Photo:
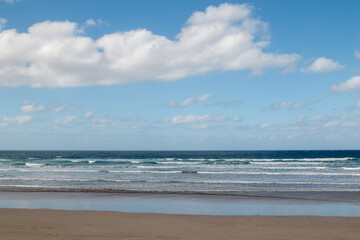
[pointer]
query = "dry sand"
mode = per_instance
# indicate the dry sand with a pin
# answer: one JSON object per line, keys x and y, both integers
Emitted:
{"x": 26, "y": 224}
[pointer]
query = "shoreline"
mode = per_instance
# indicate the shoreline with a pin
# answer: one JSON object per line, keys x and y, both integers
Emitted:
{"x": 63, "y": 224}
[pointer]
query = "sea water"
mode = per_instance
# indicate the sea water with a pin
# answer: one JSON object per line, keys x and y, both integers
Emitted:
{"x": 180, "y": 171}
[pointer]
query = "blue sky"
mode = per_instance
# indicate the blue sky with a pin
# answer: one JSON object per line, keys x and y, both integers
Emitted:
{"x": 179, "y": 75}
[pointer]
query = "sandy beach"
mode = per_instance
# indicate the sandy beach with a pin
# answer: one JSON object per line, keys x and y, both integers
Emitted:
{"x": 62, "y": 224}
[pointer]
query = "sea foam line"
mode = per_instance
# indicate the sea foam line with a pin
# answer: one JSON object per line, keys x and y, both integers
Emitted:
{"x": 34, "y": 164}
{"x": 284, "y": 173}
{"x": 287, "y": 163}
{"x": 351, "y": 168}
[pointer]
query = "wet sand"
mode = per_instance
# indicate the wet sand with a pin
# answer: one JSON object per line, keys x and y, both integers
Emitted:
{"x": 31, "y": 224}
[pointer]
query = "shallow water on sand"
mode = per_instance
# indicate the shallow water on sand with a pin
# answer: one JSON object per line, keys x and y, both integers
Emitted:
{"x": 265, "y": 204}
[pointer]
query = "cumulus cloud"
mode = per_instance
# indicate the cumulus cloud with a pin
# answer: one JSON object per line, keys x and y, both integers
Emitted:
{"x": 16, "y": 120}
{"x": 54, "y": 54}
{"x": 350, "y": 85}
{"x": 323, "y": 65}
{"x": 29, "y": 107}
{"x": 287, "y": 105}
{"x": 189, "y": 101}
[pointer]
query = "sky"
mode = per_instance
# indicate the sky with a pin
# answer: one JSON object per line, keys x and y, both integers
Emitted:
{"x": 179, "y": 75}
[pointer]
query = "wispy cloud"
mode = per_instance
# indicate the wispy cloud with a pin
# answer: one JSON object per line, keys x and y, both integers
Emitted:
{"x": 66, "y": 120}
{"x": 357, "y": 54}
{"x": 29, "y": 107}
{"x": 62, "y": 108}
{"x": 323, "y": 65}
{"x": 354, "y": 107}
{"x": 196, "y": 118}
{"x": 189, "y": 101}
{"x": 16, "y": 120}
{"x": 89, "y": 23}
{"x": 227, "y": 104}
{"x": 3, "y": 22}
{"x": 10, "y": 1}
{"x": 318, "y": 124}
{"x": 287, "y": 105}
{"x": 220, "y": 38}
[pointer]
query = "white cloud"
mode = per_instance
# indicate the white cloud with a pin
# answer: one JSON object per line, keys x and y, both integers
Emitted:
{"x": 357, "y": 54}
{"x": 280, "y": 105}
{"x": 88, "y": 114}
{"x": 298, "y": 105}
{"x": 197, "y": 118}
{"x": 66, "y": 120}
{"x": 63, "y": 108}
{"x": 17, "y": 120}
{"x": 29, "y": 107}
{"x": 101, "y": 120}
{"x": 350, "y": 85}
{"x": 189, "y": 101}
{"x": 323, "y": 65}
{"x": 10, "y": 1}
{"x": 237, "y": 118}
{"x": 53, "y": 54}
{"x": 90, "y": 22}
{"x": 331, "y": 124}
{"x": 3, "y": 22}
{"x": 354, "y": 107}
{"x": 287, "y": 105}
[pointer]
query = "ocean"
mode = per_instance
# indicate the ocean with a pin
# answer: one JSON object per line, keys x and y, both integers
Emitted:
{"x": 216, "y": 172}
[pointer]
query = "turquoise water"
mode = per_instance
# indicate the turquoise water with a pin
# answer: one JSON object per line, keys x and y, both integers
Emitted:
{"x": 180, "y": 171}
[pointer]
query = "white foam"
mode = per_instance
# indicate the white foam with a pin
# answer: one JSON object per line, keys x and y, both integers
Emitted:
{"x": 292, "y": 168}
{"x": 48, "y": 179}
{"x": 34, "y": 164}
{"x": 162, "y": 172}
{"x": 351, "y": 168}
{"x": 287, "y": 163}
{"x": 285, "y": 173}
{"x": 181, "y": 163}
{"x": 47, "y": 170}
{"x": 156, "y": 167}
{"x": 135, "y": 161}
